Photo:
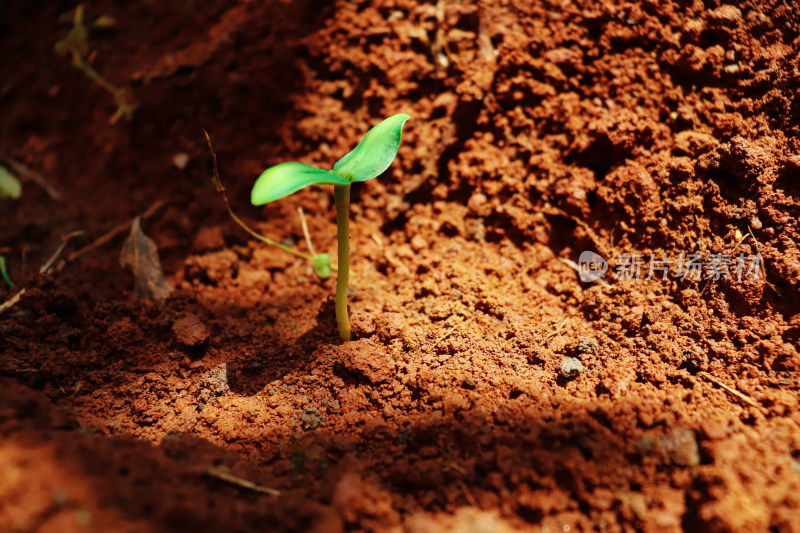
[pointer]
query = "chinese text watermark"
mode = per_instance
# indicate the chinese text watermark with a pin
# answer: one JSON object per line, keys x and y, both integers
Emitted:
{"x": 690, "y": 267}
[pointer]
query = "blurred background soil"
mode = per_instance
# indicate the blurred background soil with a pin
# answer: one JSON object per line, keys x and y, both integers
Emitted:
{"x": 488, "y": 389}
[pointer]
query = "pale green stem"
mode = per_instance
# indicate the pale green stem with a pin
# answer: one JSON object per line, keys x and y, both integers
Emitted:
{"x": 341, "y": 195}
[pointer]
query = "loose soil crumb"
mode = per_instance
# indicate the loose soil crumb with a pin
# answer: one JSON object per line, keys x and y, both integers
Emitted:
{"x": 655, "y": 131}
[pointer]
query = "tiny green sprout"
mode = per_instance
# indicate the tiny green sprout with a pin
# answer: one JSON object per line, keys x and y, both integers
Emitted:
{"x": 10, "y": 186}
{"x": 368, "y": 160}
{"x": 76, "y": 44}
{"x": 4, "y": 272}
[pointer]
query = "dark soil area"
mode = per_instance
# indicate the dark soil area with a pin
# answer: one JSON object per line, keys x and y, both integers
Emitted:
{"x": 488, "y": 387}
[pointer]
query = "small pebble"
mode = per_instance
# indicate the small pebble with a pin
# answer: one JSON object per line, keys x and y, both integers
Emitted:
{"x": 190, "y": 331}
{"x": 679, "y": 447}
{"x": 570, "y": 367}
{"x": 475, "y": 229}
{"x": 418, "y": 243}
{"x": 180, "y": 160}
{"x": 587, "y": 345}
{"x": 476, "y": 202}
{"x": 216, "y": 381}
{"x": 312, "y": 418}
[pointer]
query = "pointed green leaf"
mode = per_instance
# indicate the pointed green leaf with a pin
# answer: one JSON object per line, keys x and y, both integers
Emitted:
{"x": 10, "y": 283}
{"x": 375, "y": 152}
{"x": 284, "y": 179}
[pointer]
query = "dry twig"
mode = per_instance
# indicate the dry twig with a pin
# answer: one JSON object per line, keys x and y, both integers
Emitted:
{"x": 446, "y": 335}
{"x": 158, "y": 204}
{"x": 558, "y": 329}
{"x": 223, "y": 475}
{"x": 8, "y": 304}
{"x": 468, "y": 495}
{"x": 763, "y": 267}
{"x": 53, "y": 258}
{"x": 746, "y": 399}
{"x": 220, "y": 189}
{"x": 305, "y": 231}
{"x": 32, "y": 175}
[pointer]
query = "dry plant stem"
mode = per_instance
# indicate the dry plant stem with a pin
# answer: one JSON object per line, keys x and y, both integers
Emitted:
{"x": 763, "y": 267}
{"x": 730, "y": 390}
{"x": 305, "y": 231}
{"x": 8, "y": 304}
{"x": 257, "y": 235}
{"x": 447, "y": 335}
{"x": 223, "y": 475}
{"x": 341, "y": 195}
{"x": 53, "y": 258}
{"x": 158, "y": 204}
{"x": 558, "y": 329}
{"x": 95, "y": 76}
{"x": 253, "y": 233}
{"x": 604, "y": 250}
{"x": 34, "y": 176}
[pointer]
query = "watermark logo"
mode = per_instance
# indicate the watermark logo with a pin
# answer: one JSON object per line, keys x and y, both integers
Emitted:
{"x": 591, "y": 266}
{"x": 691, "y": 267}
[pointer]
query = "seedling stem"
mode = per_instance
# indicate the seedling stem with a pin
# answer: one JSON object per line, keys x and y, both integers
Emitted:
{"x": 341, "y": 196}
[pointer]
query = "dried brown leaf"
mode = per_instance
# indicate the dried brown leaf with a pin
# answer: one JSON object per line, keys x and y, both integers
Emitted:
{"x": 140, "y": 256}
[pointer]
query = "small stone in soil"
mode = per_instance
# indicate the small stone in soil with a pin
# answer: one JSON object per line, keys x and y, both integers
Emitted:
{"x": 587, "y": 345}
{"x": 389, "y": 326}
{"x": 475, "y": 229}
{"x": 189, "y": 331}
{"x": 645, "y": 445}
{"x": 418, "y": 243}
{"x": 680, "y": 447}
{"x": 367, "y": 359}
{"x": 311, "y": 418}
{"x": 216, "y": 380}
{"x": 570, "y": 367}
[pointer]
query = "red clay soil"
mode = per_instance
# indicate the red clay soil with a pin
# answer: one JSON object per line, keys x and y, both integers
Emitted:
{"x": 489, "y": 389}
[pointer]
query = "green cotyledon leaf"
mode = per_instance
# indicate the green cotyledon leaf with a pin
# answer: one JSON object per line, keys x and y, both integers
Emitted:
{"x": 284, "y": 179}
{"x": 374, "y": 153}
{"x": 322, "y": 266}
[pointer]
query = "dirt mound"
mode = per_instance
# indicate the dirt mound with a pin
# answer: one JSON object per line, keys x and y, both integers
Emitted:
{"x": 491, "y": 385}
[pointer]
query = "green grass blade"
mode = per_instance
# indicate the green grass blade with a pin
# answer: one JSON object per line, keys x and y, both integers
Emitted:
{"x": 284, "y": 179}
{"x": 4, "y": 272}
{"x": 375, "y": 152}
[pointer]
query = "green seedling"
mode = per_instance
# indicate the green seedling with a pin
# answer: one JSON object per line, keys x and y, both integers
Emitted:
{"x": 368, "y": 160}
{"x": 4, "y": 272}
{"x": 10, "y": 187}
{"x": 76, "y": 44}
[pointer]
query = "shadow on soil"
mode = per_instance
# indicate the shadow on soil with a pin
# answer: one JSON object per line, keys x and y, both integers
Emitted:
{"x": 529, "y": 462}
